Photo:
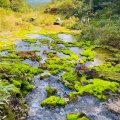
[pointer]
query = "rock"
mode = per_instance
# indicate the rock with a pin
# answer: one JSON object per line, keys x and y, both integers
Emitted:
{"x": 45, "y": 52}
{"x": 66, "y": 99}
{"x": 57, "y": 22}
{"x": 22, "y": 118}
{"x": 44, "y": 75}
{"x": 31, "y": 113}
{"x": 112, "y": 107}
{"x": 43, "y": 66}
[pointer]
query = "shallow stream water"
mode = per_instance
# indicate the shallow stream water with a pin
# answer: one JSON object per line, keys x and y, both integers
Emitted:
{"x": 89, "y": 105}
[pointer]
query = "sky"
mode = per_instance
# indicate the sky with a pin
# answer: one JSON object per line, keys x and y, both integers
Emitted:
{"x": 38, "y": 0}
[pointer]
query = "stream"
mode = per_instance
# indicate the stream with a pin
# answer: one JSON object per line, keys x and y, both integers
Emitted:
{"x": 89, "y": 105}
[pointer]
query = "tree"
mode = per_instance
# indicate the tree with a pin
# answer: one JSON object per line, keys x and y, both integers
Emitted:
{"x": 5, "y": 3}
{"x": 18, "y": 5}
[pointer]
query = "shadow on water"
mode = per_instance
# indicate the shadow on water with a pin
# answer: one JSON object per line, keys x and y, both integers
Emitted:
{"x": 90, "y": 105}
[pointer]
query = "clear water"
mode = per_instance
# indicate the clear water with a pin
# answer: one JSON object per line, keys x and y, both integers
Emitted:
{"x": 90, "y": 105}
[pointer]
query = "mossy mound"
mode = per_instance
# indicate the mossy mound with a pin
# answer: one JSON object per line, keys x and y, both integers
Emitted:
{"x": 77, "y": 116}
{"x": 56, "y": 65}
{"x": 89, "y": 54}
{"x": 53, "y": 101}
{"x": 96, "y": 87}
{"x": 50, "y": 91}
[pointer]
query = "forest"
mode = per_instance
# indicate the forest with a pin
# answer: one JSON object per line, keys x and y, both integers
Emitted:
{"x": 60, "y": 60}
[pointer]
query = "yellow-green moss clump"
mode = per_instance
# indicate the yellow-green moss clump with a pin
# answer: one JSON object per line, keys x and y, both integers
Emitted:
{"x": 50, "y": 91}
{"x": 89, "y": 54}
{"x": 97, "y": 87}
{"x": 56, "y": 65}
{"x": 77, "y": 116}
{"x": 53, "y": 101}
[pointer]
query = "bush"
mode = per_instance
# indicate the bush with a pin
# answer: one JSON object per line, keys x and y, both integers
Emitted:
{"x": 5, "y": 3}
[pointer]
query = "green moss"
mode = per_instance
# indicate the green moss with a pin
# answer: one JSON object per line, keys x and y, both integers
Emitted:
{"x": 30, "y": 40}
{"x": 89, "y": 54}
{"x": 53, "y": 101}
{"x": 83, "y": 60}
{"x": 56, "y": 65}
{"x": 77, "y": 116}
{"x": 36, "y": 50}
{"x": 98, "y": 88}
{"x": 73, "y": 116}
{"x": 43, "y": 41}
{"x": 72, "y": 55}
{"x": 70, "y": 76}
{"x": 50, "y": 91}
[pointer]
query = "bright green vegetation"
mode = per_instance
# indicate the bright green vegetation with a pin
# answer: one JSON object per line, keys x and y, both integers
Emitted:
{"x": 50, "y": 91}
{"x": 15, "y": 78}
{"x": 83, "y": 60}
{"x": 53, "y": 101}
{"x": 17, "y": 6}
{"x": 109, "y": 72}
{"x": 19, "y": 75}
{"x": 102, "y": 31}
{"x": 76, "y": 116}
{"x": 30, "y": 40}
{"x": 96, "y": 87}
{"x": 56, "y": 65}
{"x": 89, "y": 54}
{"x": 72, "y": 55}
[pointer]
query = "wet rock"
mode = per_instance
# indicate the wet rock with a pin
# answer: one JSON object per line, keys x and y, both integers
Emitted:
{"x": 43, "y": 66}
{"x": 44, "y": 75}
{"x": 91, "y": 73}
{"x": 66, "y": 99}
{"x": 31, "y": 113}
{"x": 113, "y": 107}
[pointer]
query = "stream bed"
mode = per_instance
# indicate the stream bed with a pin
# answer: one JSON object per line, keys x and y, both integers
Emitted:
{"x": 89, "y": 105}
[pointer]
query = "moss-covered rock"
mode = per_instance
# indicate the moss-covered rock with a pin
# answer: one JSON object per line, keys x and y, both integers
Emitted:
{"x": 53, "y": 101}
{"x": 89, "y": 54}
{"x": 50, "y": 91}
{"x": 77, "y": 116}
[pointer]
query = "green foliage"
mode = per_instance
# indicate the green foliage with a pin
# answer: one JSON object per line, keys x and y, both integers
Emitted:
{"x": 5, "y": 3}
{"x": 5, "y": 91}
{"x": 53, "y": 101}
{"x": 19, "y": 5}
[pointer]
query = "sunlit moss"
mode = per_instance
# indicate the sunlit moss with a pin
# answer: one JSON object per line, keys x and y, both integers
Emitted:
{"x": 77, "y": 116}
{"x": 89, "y": 54}
{"x": 53, "y": 101}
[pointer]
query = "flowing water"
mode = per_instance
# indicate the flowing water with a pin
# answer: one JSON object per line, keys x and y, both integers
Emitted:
{"x": 90, "y": 105}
